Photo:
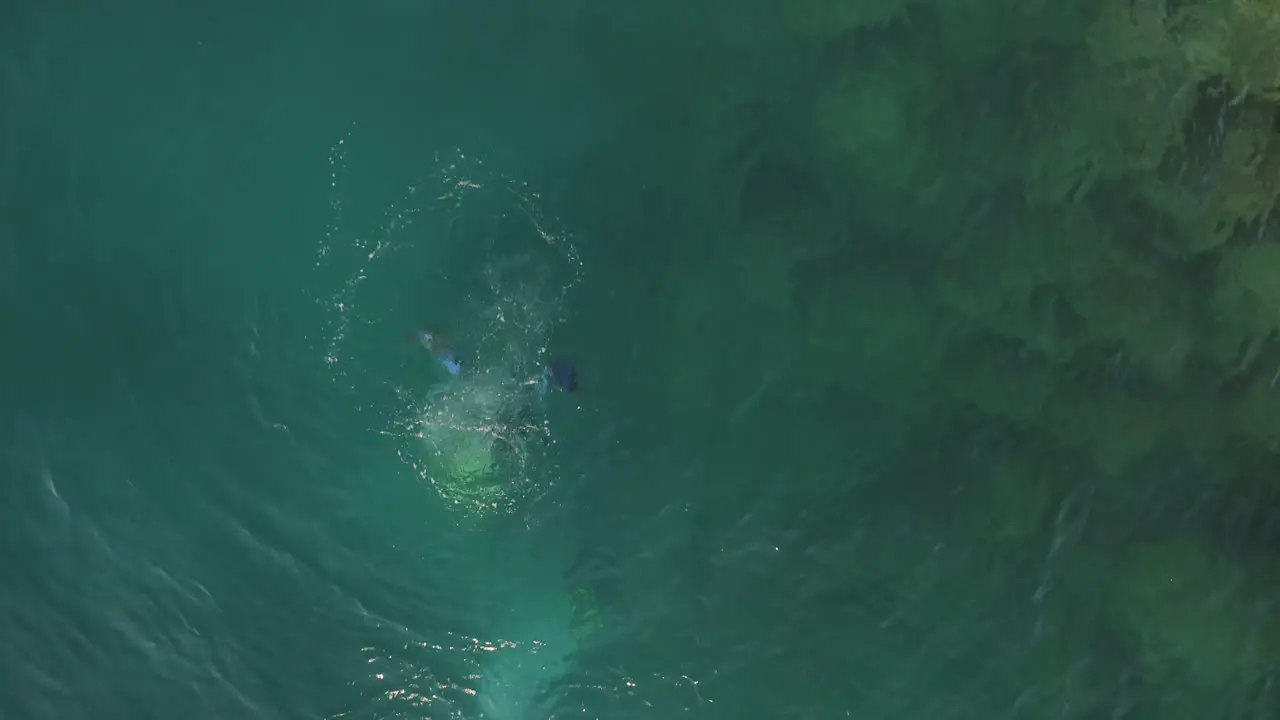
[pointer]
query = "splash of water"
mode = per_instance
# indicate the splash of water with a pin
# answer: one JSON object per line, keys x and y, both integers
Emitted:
{"x": 467, "y": 250}
{"x": 469, "y": 247}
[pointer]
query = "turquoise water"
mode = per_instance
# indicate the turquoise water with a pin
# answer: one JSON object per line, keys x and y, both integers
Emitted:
{"x": 234, "y": 487}
{"x": 223, "y": 495}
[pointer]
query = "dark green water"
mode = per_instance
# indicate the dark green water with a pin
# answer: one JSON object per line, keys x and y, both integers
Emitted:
{"x": 232, "y": 487}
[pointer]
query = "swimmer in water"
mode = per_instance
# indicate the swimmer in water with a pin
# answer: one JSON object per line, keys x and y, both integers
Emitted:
{"x": 559, "y": 374}
{"x": 437, "y": 345}
{"x": 513, "y": 409}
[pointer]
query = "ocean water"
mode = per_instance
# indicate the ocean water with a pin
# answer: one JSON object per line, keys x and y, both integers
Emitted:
{"x": 232, "y": 485}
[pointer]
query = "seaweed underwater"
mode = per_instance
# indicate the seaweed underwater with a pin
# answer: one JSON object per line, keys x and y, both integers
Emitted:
{"x": 1030, "y": 220}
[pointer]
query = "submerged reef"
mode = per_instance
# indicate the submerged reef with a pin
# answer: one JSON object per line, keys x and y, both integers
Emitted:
{"x": 1054, "y": 217}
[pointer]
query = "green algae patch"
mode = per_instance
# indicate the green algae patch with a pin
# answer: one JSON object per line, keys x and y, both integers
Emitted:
{"x": 1058, "y": 219}
{"x": 1012, "y": 501}
{"x": 867, "y": 120}
{"x": 1195, "y": 615}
